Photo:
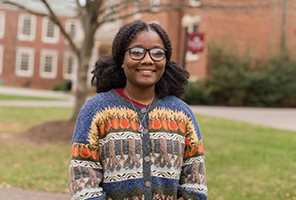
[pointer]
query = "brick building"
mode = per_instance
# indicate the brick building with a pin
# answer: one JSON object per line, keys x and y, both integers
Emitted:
{"x": 39, "y": 56}
{"x": 233, "y": 24}
{"x": 33, "y": 52}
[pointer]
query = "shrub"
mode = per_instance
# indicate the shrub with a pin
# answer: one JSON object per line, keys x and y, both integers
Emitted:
{"x": 196, "y": 94}
{"x": 240, "y": 81}
{"x": 63, "y": 86}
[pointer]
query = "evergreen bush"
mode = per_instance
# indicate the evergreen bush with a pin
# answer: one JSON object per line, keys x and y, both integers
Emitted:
{"x": 240, "y": 81}
{"x": 62, "y": 86}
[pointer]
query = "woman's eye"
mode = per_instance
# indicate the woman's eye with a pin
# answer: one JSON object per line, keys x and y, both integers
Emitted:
{"x": 137, "y": 51}
{"x": 158, "y": 52}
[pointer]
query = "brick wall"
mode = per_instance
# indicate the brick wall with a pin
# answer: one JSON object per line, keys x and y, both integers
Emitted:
{"x": 256, "y": 31}
{"x": 11, "y": 43}
{"x": 252, "y": 30}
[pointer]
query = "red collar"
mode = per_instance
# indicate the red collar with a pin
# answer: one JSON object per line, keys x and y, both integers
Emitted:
{"x": 119, "y": 90}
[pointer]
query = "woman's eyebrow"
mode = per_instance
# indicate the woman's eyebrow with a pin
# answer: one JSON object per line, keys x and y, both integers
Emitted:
{"x": 139, "y": 45}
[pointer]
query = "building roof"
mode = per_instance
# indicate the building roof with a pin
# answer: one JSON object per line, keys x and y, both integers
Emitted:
{"x": 61, "y": 7}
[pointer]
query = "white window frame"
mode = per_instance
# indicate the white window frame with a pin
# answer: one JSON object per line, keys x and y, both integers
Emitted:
{"x": 19, "y": 53}
{"x": 21, "y": 27}
{"x": 137, "y": 7}
{"x": 155, "y": 5}
{"x": 56, "y": 32}
{"x": 1, "y": 58}
{"x": 194, "y": 3}
{"x": 77, "y": 28}
{"x": 66, "y": 75}
{"x": 2, "y": 24}
{"x": 54, "y": 65}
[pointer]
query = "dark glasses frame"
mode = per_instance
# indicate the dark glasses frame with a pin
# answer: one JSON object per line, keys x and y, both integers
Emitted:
{"x": 128, "y": 49}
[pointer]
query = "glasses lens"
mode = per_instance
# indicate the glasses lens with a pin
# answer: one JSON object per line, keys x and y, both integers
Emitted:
{"x": 137, "y": 53}
{"x": 157, "y": 53}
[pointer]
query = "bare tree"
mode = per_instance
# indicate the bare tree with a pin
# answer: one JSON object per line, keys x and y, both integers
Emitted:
{"x": 93, "y": 15}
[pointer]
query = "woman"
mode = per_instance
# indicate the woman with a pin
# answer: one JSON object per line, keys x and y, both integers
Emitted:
{"x": 136, "y": 139}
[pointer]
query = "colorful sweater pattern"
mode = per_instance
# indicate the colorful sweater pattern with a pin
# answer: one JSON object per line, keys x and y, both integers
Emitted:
{"x": 111, "y": 160}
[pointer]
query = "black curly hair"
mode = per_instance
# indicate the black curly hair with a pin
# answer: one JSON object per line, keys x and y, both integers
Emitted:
{"x": 108, "y": 73}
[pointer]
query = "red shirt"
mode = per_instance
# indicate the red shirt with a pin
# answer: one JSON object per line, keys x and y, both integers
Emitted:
{"x": 119, "y": 90}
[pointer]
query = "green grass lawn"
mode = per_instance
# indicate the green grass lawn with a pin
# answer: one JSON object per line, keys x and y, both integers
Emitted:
{"x": 33, "y": 166}
{"x": 17, "y": 119}
{"x": 243, "y": 161}
{"x": 246, "y": 161}
{"x": 7, "y": 97}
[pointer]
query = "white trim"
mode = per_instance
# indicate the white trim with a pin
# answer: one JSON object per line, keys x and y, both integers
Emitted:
{"x": 2, "y": 24}
{"x": 155, "y": 5}
{"x": 21, "y": 27}
{"x": 1, "y": 58}
{"x": 20, "y": 53}
{"x": 191, "y": 57}
{"x": 52, "y": 55}
{"x": 137, "y": 7}
{"x": 56, "y": 32}
{"x": 74, "y": 65}
{"x": 194, "y": 3}
{"x": 77, "y": 28}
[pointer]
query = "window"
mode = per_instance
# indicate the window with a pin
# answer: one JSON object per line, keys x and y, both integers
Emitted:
{"x": 26, "y": 27}
{"x": 2, "y": 24}
{"x": 73, "y": 28}
{"x": 194, "y": 3}
{"x": 1, "y": 58}
{"x": 50, "y": 31}
{"x": 70, "y": 65}
{"x": 137, "y": 9}
{"x": 48, "y": 63}
{"x": 24, "y": 61}
{"x": 155, "y": 5}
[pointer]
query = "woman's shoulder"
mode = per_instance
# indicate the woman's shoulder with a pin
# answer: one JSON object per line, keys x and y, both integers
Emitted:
{"x": 174, "y": 100}
{"x": 99, "y": 98}
{"x": 174, "y": 103}
{"x": 100, "y": 101}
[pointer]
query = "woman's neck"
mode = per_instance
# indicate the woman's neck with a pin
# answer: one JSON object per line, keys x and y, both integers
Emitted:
{"x": 143, "y": 96}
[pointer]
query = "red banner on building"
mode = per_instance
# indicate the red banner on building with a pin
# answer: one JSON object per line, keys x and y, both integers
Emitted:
{"x": 196, "y": 42}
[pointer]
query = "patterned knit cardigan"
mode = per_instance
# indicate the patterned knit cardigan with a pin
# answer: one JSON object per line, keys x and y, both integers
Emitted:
{"x": 110, "y": 159}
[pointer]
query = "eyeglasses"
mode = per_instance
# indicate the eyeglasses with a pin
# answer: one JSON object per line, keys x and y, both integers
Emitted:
{"x": 138, "y": 53}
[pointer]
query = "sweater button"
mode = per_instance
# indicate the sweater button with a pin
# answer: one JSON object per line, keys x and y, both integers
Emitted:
{"x": 148, "y": 183}
{"x": 143, "y": 110}
{"x": 147, "y": 158}
{"x": 145, "y": 131}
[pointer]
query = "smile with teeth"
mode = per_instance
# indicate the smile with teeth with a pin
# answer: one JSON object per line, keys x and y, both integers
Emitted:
{"x": 146, "y": 71}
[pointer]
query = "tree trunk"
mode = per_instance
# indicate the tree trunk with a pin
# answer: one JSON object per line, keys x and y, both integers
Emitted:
{"x": 84, "y": 59}
{"x": 81, "y": 90}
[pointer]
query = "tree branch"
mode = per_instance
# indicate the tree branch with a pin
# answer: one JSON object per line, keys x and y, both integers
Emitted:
{"x": 51, "y": 15}
{"x": 172, "y": 6}
{"x": 54, "y": 18}
{"x": 24, "y": 8}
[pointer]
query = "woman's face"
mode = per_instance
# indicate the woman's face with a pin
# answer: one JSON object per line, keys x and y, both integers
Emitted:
{"x": 145, "y": 72}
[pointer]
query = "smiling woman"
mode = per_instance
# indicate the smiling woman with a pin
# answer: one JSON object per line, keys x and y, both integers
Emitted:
{"x": 137, "y": 139}
{"x": 141, "y": 70}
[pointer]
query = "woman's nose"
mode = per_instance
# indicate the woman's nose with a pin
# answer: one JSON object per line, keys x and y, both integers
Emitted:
{"x": 147, "y": 58}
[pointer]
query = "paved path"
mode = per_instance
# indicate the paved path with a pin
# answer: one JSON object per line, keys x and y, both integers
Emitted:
{"x": 273, "y": 117}
{"x": 282, "y": 118}
{"x": 67, "y": 99}
{"x": 33, "y": 92}
{"x": 21, "y": 194}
